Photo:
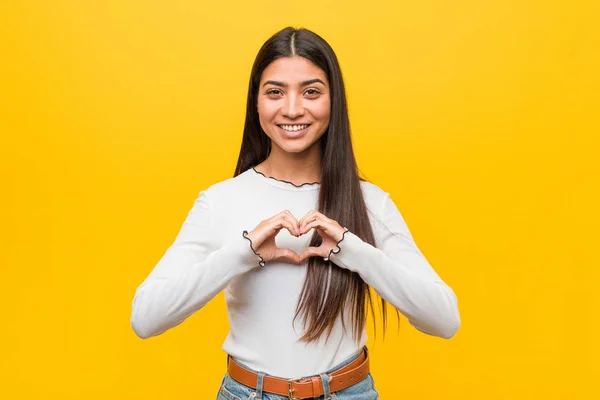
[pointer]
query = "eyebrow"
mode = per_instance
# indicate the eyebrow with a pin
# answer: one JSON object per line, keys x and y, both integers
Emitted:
{"x": 305, "y": 83}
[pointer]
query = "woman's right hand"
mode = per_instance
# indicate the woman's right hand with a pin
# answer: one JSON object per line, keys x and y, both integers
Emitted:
{"x": 263, "y": 237}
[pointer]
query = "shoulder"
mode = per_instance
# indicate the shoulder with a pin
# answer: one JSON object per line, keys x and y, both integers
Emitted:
{"x": 227, "y": 188}
{"x": 373, "y": 195}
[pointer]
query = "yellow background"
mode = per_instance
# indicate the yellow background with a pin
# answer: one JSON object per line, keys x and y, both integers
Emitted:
{"x": 480, "y": 118}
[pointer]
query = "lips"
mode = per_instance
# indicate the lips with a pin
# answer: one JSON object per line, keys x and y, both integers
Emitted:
{"x": 292, "y": 131}
{"x": 293, "y": 127}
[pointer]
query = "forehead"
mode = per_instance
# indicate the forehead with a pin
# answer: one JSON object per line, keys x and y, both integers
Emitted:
{"x": 292, "y": 70}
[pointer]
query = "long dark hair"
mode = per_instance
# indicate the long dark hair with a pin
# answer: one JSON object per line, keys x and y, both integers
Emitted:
{"x": 340, "y": 195}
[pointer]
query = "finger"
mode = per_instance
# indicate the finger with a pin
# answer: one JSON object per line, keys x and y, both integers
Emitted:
{"x": 271, "y": 226}
{"x": 318, "y": 223}
{"x": 284, "y": 222}
{"x": 308, "y": 218}
{"x": 289, "y": 213}
{"x": 286, "y": 255}
{"x": 293, "y": 223}
{"x": 312, "y": 252}
{"x": 279, "y": 214}
{"x": 307, "y": 215}
{"x": 293, "y": 220}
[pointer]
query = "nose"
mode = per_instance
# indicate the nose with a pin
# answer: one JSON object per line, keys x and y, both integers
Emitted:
{"x": 292, "y": 107}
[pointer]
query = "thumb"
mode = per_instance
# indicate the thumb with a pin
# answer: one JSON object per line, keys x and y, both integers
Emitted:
{"x": 286, "y": 255}
{"x": 310, "y": 252}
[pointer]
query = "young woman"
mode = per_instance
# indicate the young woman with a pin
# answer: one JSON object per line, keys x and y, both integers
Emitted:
{"x": 296, "y": 239}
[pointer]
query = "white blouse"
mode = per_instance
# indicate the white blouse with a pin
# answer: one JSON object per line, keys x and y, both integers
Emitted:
{"x": 210, "y": 254}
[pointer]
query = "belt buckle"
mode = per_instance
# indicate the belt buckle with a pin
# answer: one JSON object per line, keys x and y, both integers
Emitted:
{"x": 291, "y": 391}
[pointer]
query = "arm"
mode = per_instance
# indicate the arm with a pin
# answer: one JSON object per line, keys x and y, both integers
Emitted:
{"x": 401, "y": 275}
{"x": 190, "y": 273}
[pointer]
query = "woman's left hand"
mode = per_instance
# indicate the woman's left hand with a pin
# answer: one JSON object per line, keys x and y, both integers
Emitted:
{"x": 330, "y": 230}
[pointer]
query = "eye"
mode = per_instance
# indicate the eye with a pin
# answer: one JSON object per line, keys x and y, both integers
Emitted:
{"x": 273, "y": 92}
{"x": 313, "y": 92}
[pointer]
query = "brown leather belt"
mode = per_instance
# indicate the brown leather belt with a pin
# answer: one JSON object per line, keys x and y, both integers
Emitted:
{"x": 304, "y": 388}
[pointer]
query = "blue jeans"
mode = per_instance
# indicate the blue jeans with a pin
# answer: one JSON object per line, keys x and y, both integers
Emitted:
{"x": 364, "y": 390}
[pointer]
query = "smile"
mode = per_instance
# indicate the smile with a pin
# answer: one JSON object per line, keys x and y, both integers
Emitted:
{"x": 293, "y": 131}
{"x": 294, "y": 128}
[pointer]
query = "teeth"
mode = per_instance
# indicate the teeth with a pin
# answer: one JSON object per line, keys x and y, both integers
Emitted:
{"x": 293, "y": 128}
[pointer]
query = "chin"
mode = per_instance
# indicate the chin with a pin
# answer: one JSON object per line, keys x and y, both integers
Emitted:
{"x": 297, "y": 145}
{"x": 291, "y": 148}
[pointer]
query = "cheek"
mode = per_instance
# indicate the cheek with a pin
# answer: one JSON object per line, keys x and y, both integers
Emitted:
{"x": 266, "y": 110}
{"x": 322, "y": 110}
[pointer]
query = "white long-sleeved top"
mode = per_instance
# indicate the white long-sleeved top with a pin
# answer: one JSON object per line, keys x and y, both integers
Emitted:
{"x": 210, "y": 254}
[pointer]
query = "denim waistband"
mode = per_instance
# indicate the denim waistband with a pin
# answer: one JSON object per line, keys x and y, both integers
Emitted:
{"x": 325, "y": 378}
{"x": 338, "y": 366}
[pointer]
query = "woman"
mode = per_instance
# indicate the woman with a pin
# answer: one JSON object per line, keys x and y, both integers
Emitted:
{"x": 296, "y": 239}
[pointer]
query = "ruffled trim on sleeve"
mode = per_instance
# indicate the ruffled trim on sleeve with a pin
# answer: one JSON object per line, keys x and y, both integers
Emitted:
{"x": 333, "y": 251}
{"x": 261, "y": 262}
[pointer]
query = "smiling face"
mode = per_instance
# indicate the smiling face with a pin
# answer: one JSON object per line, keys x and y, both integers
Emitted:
{"x": 293, "y": 103}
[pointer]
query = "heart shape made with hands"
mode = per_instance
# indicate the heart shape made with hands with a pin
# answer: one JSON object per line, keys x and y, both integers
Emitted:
{"x": 284, "y": 247}
{"x": 330, "y": 231}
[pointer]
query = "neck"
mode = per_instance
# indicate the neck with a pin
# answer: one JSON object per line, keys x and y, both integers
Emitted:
{"x": 297, "y": 168}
